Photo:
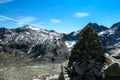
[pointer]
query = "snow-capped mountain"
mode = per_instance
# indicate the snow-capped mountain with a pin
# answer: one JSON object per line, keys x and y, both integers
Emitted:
{"x": 111, "y": 39}
{"x": 38, "y": 43}
{"x": 50, "y": 46}
{"x": 75, "y": 35}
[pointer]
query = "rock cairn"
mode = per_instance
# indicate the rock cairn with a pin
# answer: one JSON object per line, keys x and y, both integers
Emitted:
{"x": 87, "y": 57}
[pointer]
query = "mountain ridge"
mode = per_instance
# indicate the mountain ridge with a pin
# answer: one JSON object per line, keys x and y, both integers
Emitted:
{"x": 50, "y": 46}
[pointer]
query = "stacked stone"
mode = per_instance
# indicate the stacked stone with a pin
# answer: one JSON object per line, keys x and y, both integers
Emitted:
{"x": 87, "y": 57}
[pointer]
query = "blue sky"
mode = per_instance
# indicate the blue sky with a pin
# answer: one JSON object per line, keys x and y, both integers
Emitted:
{"x": 61, "y": 15}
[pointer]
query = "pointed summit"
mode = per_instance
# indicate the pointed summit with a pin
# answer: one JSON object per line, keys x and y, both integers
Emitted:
{"x": 116, "y": 26}
{"x": 96, "y": 27}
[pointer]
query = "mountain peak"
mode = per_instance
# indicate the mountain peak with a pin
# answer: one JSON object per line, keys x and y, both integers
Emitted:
{"x": 30, "y": 27}
{"x": 96, "y": 27}
{"x": 92, "y": 24}
{"x": 116, "y": 25}
{"x": 52, "y": 30}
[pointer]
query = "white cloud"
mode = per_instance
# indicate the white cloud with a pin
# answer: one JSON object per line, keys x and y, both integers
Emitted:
{"x": 5, "y": 1}
{"x": 21, "y": 21}
{"x": 55, "y": 20}
{"x": 6, "y": 18}
{"x": 81, "y": 14}
{"x": 26, "y": 20}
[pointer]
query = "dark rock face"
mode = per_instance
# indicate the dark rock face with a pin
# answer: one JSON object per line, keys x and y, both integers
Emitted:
{"x": 75, "y": 35}
{"x": 97, "y": 28}
{"x": 87, "y": 58}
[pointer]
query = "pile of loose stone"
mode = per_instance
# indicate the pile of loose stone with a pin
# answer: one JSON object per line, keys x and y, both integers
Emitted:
{"x": 87, "y": 57}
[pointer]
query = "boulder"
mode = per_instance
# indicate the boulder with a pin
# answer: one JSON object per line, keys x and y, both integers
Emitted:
{"x": 113, "y": 70}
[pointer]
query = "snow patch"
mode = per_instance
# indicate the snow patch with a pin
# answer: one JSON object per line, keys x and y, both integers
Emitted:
{"x": 116, "y": 51}
{"x": 75, "y": 33}
{"x": 110, "y": 32}
{"x": 43, "y": 35}
{"x": 33, "y": 28}
{"x": 27, "y": 33}
{"x": 70, "y": 44}
{"x": 54, "y": 34}
{"x": 101, "y": 33}
{"x": 39, "y": 56}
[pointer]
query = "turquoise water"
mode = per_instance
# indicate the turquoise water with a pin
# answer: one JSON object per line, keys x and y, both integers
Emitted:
{"x": 41, "y": 66}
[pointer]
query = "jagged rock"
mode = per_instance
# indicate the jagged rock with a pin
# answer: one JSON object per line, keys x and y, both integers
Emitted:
{"x": 87, "y": 56}
{"x": 75, "y": 35}
{"x": 113, "y": 70}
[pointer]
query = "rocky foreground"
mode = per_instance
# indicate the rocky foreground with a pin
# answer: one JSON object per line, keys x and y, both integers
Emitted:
{"x": 23, "y": 68}
{"x": 28, "y": 72}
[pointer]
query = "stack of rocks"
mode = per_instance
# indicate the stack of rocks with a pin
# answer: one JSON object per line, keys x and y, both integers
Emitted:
{"x": 87, "y": 57}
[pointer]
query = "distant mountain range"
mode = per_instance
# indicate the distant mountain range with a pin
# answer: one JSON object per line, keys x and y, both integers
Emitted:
{"x": 50, "y": 46}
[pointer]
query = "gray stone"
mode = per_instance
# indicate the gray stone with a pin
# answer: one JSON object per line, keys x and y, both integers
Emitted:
{"x": 113, "y": 70}
{"x": 78, "y": 69}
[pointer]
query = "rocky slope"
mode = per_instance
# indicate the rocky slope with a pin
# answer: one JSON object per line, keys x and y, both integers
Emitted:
{"x": 37, "y": 43}
{"x": 111, "y": 39}
{"x": 28, "y": 72}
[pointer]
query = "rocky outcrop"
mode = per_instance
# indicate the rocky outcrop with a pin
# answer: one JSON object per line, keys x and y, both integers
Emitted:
{"x": 87, "y": 58}
{"x": 113, "y": 70}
